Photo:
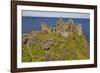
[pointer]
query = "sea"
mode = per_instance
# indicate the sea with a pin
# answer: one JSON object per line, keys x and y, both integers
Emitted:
{"x": 34, "y": 23}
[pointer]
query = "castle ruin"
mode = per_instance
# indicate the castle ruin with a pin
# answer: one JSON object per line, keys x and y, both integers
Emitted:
{"x": 62, "y": 27}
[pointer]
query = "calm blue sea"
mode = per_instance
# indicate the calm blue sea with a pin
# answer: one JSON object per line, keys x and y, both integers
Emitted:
{"x": 33, "y": 23}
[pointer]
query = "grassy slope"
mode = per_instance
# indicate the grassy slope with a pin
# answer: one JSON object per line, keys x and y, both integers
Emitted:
{"x": 74, "y": 47}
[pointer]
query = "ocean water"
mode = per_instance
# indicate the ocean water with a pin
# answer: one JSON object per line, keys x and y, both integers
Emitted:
{"x": 33, "y": 23}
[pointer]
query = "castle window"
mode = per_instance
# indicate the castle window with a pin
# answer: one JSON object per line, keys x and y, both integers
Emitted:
{"x": 52, "y": 30}
{"x": 57, "y": 24}
{"x": 55, "y": 30}
{"x": 66, "y": 30}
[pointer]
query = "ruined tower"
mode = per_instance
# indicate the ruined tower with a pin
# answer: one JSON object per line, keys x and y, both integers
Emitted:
{"x": 79, "y": 29}
{"x": 45, "y": 27}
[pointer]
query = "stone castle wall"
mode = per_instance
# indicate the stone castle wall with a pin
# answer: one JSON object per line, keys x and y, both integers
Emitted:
{"x": 63, "y": 28}
{"x": 45, "y": 27}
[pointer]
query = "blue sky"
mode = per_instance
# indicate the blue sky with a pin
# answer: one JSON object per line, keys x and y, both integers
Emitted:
{"x": 33, "y": 13}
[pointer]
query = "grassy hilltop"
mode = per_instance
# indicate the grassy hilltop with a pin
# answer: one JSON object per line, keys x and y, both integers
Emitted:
{"x": 74, "y": 47}
{"x": 64, "y": 42}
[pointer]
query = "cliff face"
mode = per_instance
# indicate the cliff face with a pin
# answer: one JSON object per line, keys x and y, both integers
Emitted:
{"x": 63, "y": 42}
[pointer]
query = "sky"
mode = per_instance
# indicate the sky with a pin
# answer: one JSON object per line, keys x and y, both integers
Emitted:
{"x": 34, "y": 13}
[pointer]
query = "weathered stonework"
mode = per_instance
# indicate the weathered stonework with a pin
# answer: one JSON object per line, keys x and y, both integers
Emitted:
{"x": 45, "y": 27}
{"x": 63, "y": 28}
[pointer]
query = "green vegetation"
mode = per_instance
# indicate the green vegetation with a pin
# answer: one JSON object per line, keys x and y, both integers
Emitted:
{"x": 74, "y": 47}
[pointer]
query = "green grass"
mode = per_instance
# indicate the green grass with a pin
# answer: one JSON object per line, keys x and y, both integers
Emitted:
{"x": 74, "y": 47}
